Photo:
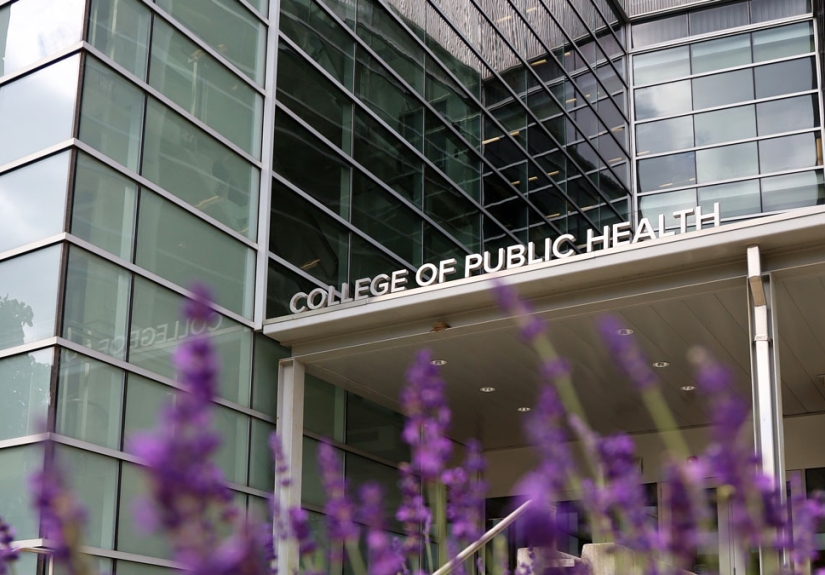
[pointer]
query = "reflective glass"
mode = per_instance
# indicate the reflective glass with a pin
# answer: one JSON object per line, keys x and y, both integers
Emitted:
{"x": 200, "y": 170}
{"x": 664, "y": 136}
{"x": 131, "y": 568}
{"x": 790, "y": 153}
{"x": 722, "y": 89}
{"x": 232, "y": 457}
{"x": 144, "y": 401}
{"x": 660, "y": 30}
{"x": 735, "y": 200}
{"x": 793, "y": 191}
{"x": 656, "y": 204}
{"x": 722, "y": 53}
{"x": 226, "y": 26}
{"x": 312, "y": 490}
{"x": 375, "y": 429}
{"x": 281, "y": 284}
{"x": 185, "y": 250}
{"x": 721, "y": 18}
{"x": 661, "y": 65}
{"x": 131, "y": 538}
{"x": 267, "y": 354}
{"x": 764, "y": 10}
{"x": 28, "y": 303}
{"x": 779, "y": 116}
{"x": 775, "y": 43}
{"x": 120, "y": 29}
{"x": 205, "y": 88}
{"x": 664, "y": 100}
{"x": 97, "y": 303}
{"x": 34, "y": 29}
{"x": 93, "y": 480}
{"x": 17, "y": 465}
{"x": 726, "y": 125}
{"x": 785, "y": 78}
{"x": 103, "y": 212}
{"x": 261, "y": 474}
{"x": 111, "y": 117}
{"x": 367, "y": 260}
{"x": 727, "y": 163}
{"x": 25, "y": 385}
{"x": 324, "y": 408}
{"x": 33, "y": 201}
{"x": 308, "y": 238}
{"x": 360, "y": 470}
{"x": 452, "y": 210}
{"x": 452, "y": 156}
{"x": 453, "y": 104}
{"x": 37, "y": 111}
{"x": 667, "y": 172}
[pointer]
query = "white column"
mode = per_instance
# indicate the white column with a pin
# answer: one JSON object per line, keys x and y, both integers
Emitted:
{"x": 291, "y": 431}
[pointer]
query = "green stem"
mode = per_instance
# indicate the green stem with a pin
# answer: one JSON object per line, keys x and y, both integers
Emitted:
{"x": 665, "y": 422}
{"x": 355, "y": 558}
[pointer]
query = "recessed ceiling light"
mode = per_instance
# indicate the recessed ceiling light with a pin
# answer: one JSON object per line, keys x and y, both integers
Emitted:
{"x": 688, "y": 387}
{"x": 438, "y": 362}
{"x": 488, "y": 389}
{"x": 660, "y": 364}
{"x": 523, "y": 409}
{"x": 625, "y": 331}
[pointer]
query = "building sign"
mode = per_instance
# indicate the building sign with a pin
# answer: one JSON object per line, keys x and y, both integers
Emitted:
{"x": 512, "y": 257}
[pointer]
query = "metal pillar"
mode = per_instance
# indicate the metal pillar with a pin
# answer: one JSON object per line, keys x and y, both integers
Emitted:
{"x": 291, "y": 431}
{"x": 766, "y": 385}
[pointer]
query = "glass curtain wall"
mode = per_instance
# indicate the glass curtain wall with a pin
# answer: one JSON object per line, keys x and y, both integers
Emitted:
{"x": 734, "y": 118}
{"x": 402, "y": 138}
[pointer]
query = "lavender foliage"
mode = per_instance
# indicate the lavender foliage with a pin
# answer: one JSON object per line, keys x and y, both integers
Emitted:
{"x": 8, "y": 554}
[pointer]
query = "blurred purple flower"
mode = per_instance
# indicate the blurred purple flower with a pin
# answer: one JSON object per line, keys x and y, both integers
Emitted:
{"x": 466, "y": 495}
{"x": 339, "y": 510}
{"x": 281, "y": 467}
{"x": 243, "y": 553}
{"x": 627, "y": 353}
{"x": 530, "y": 326}
{"x": 8, "y": 555}
{"x": 428, "y": 417}
{"x": 807, "y": 515}
{"x": 686, "y": 509}
{"x": 412, "y": 512}
{"x": 301, "y": 532}
{"x": 383, "y": 558}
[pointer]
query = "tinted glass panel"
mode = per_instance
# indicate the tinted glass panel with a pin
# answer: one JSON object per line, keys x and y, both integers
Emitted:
{"x": 261, "y": 474}
{"x": 788, "y": 115}
{"x": 735, "y": 200}
{"x": 721, "y": 18}
{"x": 722, "y": 89}
{"x": 663, "y": 100}
{"x": 727, "y": 163}
{"x": 793, "y": 191}
{"x": 120, "y": 29}
{"x": 232, "y": 457}
{"x": 661, "y": 66}
{"x": 785, "y": 78}
{"x": 17, "y": 465}
{"x": 324, "y": 406}
{"x": 26, "y": 384}
{"x": 722, "y": 53}
{"x": 144, "y": 401}
{"x": 726, "y": 125}
{"x": 776, "y": 43}
{"x": 789, "y": 153}
{"x": 667, "y": 172}
{"x": 28, "y": 303}
{"x": 660, "y": 30}
{"x": 764, "y": 10}
{"x": 265, "y": 374}
{"x": 664, "y": 136}
{"x": 375, "y": 429}
{"x": 130, "y": 538}
{"x": 37, "y": 111}
{"x": 32, "y": 201}
{"x": 654, "y": 205}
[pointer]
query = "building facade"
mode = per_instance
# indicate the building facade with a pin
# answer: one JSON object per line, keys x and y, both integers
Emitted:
{"x": 282, "y": 148}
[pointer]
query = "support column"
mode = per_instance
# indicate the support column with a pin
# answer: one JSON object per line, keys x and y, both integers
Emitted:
{"x": 766, "y": 385}
{"x": 291, "y": 430}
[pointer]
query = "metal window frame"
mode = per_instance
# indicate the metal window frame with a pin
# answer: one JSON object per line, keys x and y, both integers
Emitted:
{"x": 733, "y": 181}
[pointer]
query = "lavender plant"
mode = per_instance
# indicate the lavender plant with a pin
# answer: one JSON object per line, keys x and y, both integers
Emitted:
{"x": 188, "y": 499}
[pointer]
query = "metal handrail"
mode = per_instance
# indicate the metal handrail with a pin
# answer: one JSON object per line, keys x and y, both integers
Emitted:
{"x": 483, "y": 540}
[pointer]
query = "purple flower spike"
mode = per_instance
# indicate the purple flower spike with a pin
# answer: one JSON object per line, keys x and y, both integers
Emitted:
{"x": 301, "y": 532}
{"x": 507, "y": 298}
{"x": 687, "y": 508}
{"x": 428, "y": 417}
{"x": 8, "y": 555}
{"x": 412, "y": 512}
{"x": 466, "y": 494}
{"x": 383, "y": 557}
{"x": 281, "y": 467}
{"x": 628, "y": 355}
{"x": 340, "y": 513}
{"x": 242, "y": 554}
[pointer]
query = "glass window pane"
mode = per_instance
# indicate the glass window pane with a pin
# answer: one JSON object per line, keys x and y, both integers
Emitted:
{"x": 33, "y": 201}
{"x": 727, "y": 163}
{"x": 184, "y": 249}
{"x": 788, "y": 115}
{"x": 261, "y": 474}
{"x": 793, "y": 191}
{"x": 375, "y": 429}
{"x": 111, "y": 117}
{"x": 452, "y": 210}
{"x": 144, "y": 401}
{"x": 324, "y": 406}
{"x": 268, "y": 353}
{"x": 93, "y": 480}
{"x": 726, "y": 125}
{"x": 721, "y": 18}
{"x": 37, "y": 111}
{"x": 28, "y": 303}
{"x": 667, "y": 172}
{"x": 664, "y": 100}
{"x": 360, "y": 470}
{"x": 776, "y": 43}
{"x": 660, "y": 30}
{"x": 785, "y": 78}
{"x": 722, "y": 89}
{"x": 312, "y": 490}
{"x": 131, "y": 568}
{"x": 34, "y": 29}
{"x": 661, "y": 66}
{"x": 735, "y": 200}
{"x": 25, "y": 385}
{"x": 130, "y": 538}
{"x": 656, "y": 204}
{"x": 17, "y": 465}
{"x": 97, "y": 303}
{"x": 89, "y": 399}
{"x": 120, "y": 29}
{"x": 232, "y": 457}
{"x": 281, "y": 284}
{"x": 200, "y": 170}
{"x": 722, "y": 53}
{"x": 765, "y": 10}
{"x": 664, "y": 136}
{"x": 792, "y": 152}
{"x": 226, "y": 26}
{"x": 205, "y": 88}
{"x": 104, "y": 207}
